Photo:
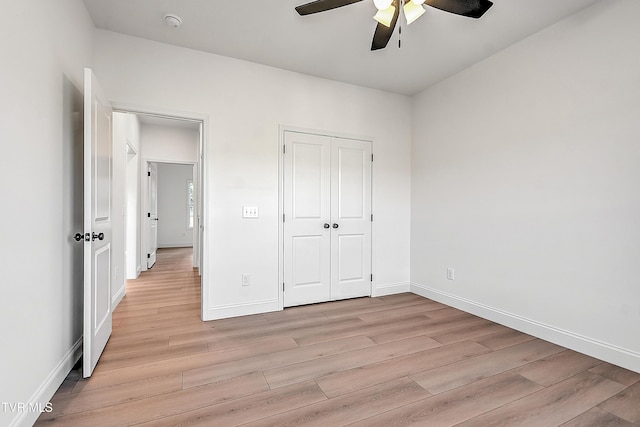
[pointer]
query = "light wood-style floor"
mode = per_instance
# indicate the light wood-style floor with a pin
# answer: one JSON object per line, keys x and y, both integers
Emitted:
{"x": 388, "y": 361}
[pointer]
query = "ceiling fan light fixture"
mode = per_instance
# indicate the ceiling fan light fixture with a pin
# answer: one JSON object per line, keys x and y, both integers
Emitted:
{"x": 412, "y": 11}
{"x": 382, "y": 4}
{"x": 385, "y": 16}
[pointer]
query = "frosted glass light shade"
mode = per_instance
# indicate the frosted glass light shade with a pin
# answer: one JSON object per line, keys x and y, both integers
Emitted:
{"x": 418, "y": 2}
{"x": 412, "y": 11}
{"x": 385, "y": 16}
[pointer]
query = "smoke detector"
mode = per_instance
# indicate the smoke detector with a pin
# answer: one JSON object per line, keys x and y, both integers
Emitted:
{"x": 173, "y": 21}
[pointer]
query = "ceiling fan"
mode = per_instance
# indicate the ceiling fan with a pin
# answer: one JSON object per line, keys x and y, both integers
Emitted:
{"x": 389, "y": 11}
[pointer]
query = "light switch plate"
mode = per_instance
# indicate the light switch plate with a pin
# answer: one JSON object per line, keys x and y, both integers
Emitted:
{"x": 450, "y": 273}
{"x": 250, "y": 212}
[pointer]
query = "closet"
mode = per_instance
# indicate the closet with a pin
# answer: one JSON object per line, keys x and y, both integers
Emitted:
{"x": 327, "y": 218}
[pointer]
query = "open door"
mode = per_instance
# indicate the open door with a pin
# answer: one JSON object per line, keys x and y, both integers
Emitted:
{"x": 152, "y": 215}
{"x": 98, "y": 156}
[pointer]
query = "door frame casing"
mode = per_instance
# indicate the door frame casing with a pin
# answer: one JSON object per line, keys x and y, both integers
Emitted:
{"x": 332, "y": 134}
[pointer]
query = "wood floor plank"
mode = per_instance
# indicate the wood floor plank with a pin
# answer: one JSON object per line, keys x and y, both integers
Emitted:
{"x": 114, "y": 395}
{"x": 471, "y": 332}
{"x": 349, "y": 408}
{"x": 484, "y": 365}
{"x": 557, "y": 367}
{"x": 347, "y": 381}
{"x": 429, "y": 328}
{"x": 155, "y": 332}
{"x": 120, "y": 346}
{"x": 193, "y": 361}
{"x": 625, "y": 404}
{"x": 140, "y": 357}
{"x": 455, "y": 406}
{"x": 598, "y": 418}
{"x": 416, "y": 307}
{"x": 616, "y": 373}
{"x": 159, "y": 407}
{"x": 301, "y": 371}
{"x": 204, "y": 375}
{"x": 369, "y": 329}
{"x": 445, "y": 312}
{"x": 503, "y": 339}
{"x": 247, "y": 409}
{"x": 553, "y": 405}
{"x": 365, "y": 310}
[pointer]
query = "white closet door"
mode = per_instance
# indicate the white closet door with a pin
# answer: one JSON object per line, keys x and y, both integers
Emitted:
{"x": 351, "y": 219}
{"x": 307, "y": 210}
{"x": 327, "y": 228}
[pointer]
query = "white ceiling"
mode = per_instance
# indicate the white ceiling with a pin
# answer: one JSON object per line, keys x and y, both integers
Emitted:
{"x": 335, "y": 44}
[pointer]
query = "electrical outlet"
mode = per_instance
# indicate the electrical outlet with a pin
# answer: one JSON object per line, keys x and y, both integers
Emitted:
{"x": 450, "y": 273}
{"x": 246, "y": 280}
{"x": 250, "y": 212}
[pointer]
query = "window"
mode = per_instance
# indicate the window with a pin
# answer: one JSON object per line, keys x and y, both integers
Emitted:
{"x": 190, "y": 204}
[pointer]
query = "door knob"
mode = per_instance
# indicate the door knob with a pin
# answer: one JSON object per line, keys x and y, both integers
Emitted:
{"x": 326, "y": 225}
{"x": 335, "y": 225}
{"x": 78, "y": 237}
{"x": 95, "y": 236}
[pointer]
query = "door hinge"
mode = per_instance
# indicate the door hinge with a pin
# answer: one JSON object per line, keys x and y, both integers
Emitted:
{"x": 372, "y": 157}
{"x": 284, "y": 149}
{"x": 148, "y": 173}
{"x": 371, "y": 217}
{"x": 283, "y": 287}
{"x": 148, "y": 214}
{"x": 372, "y": 277}
{"x": 282, "y": 217}
{"x": 148, "y": 256}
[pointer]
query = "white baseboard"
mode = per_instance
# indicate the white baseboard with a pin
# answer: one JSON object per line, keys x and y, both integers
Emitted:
{"x": 49, "y": 386}
{"x": 390, "y": 289}
{"x": 244, "y": 309}
{"x": 175, "y": 245}
{"x": 609, "y": 353}
{"x": 118, "y": 296}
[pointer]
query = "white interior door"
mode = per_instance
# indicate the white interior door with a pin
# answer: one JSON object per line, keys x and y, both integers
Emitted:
{"x": 350, "y": 219}
{"x": 98, "y": 156}
{"x": 327, "y": 228}
{"x": 307, "y": 234}
{"x": 152, "y": 215}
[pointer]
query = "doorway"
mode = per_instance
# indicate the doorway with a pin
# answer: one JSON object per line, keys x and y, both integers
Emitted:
{"x": 326, "y": 218}
{"x": 153, "y": 141}
{"x": 171, "y": 213}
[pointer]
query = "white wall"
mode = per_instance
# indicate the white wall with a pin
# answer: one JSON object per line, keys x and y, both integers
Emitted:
{"x": 526, "y": 181}
{"x": 44, "y": 49}
{"x": 173, "y": 226}
{"x": 118, "y": 208}
{"x": 244, "y": 104}
{"x": 169, "y": 143}
{"x": 126, "y": 139}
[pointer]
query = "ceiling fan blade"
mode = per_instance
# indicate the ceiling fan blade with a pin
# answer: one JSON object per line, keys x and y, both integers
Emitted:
{"x": 383, "y": 33}
{"x": 469, "y": 8}
{"x": 322, "y": 5}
